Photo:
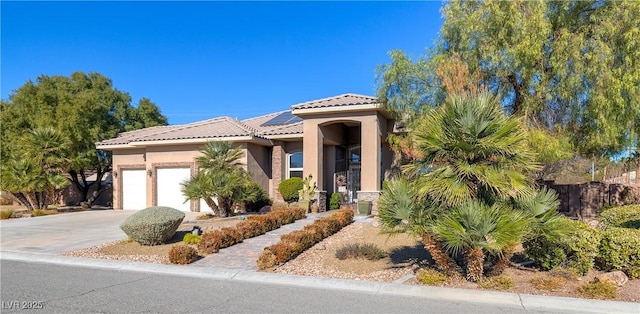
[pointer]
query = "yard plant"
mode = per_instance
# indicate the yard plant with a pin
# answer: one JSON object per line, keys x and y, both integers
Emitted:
{"x": 469, "y": 193}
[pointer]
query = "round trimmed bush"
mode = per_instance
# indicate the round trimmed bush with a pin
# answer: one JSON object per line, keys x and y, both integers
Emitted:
{"x": 153, "y": 225}
{"x": 622, "y": 216}
{"x": 289, "y": 189}
{"x": 620, "y": 250}
{"x": 577, "y": 250}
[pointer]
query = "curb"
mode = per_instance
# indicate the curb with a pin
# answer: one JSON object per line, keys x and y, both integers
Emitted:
{"x": 526, "y": 301}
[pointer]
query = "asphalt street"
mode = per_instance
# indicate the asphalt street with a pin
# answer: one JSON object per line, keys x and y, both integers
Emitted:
{"x": 46, "y": 288}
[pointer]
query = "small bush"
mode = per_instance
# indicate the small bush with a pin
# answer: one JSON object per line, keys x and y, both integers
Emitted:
{"x": 356, "y": 250}
{"x": 334, "y": 201}
{"x": 43, "y": 212}
{"x": 289, "y": 189}
{"x": 153, "y": 225}
{"x": 502, "y": 282}
{"x": 599, "y": 290}
{"x": 577, "y": 250}
{"x": 620, "y": 250}
{"x": 210, "y": 242}
{"x": 623, "y": 217}
{"x": 191, "y": 238}
{"x": 182, "y": 254}
{"x": 6, "y": 213}
{"x": 548, "y": 282}
{"x": 296, "y": 242}
{"x": 250, "y": 228}
{"x": 231, "y": 237}
{"x": 262, "y": 197}
{"x": 266, "y": 260}
{"x": 431, "y": 277}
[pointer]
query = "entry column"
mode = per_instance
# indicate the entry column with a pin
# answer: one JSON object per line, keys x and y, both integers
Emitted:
{"x": 370, "y": 172}
{"x": 313, "y": 153}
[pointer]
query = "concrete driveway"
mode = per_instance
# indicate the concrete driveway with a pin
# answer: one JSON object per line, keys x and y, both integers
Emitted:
{"x": 55, "y": 234}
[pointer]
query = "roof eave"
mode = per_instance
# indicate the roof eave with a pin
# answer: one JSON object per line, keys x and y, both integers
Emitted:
{"x": 341, "y": 109}
{"x": 141, "y": 144}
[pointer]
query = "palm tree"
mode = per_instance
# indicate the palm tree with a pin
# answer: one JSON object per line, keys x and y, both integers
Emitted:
{"x": 32, "y": 173}
{"x": 401, "y": 209}
{"x": 219, "y": 156}
{"x": 474, "y": 228}
{"x": 220, "y": 177}
{"x": 471, "y": 150}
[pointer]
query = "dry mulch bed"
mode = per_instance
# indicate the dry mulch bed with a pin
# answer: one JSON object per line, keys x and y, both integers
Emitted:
{"x": 406, "y": 256}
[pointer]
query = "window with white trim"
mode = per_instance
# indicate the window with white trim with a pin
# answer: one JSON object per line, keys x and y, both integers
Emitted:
{"x": 294, "y": 165}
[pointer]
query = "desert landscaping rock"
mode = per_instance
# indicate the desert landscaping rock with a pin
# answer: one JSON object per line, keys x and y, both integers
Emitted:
{"x": 617, "y": 277}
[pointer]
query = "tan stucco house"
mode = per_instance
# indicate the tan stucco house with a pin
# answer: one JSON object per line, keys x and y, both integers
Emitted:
{"x": 341, "y": 138}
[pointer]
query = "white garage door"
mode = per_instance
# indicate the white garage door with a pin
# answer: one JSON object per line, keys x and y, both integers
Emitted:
{"x": 169, "y": 188}
{"x": 134, "y": 189}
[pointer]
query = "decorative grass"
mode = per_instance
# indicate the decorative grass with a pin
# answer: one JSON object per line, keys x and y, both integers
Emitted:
{"x": 599, "y": 290}
{"x": 431, "y": 277}
{"x": 548, "y": 283}
{"x": 502, "y": 282}
{"x": 360, "y": 250}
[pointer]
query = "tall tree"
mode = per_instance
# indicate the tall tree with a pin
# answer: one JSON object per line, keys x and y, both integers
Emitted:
{"x": 84, "y": 109}
{"x": 567, "y": 66}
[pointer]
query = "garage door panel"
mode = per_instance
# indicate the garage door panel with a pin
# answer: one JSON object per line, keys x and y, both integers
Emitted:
{"x": 134, "y": 189}
{"x": 169, "y": 190}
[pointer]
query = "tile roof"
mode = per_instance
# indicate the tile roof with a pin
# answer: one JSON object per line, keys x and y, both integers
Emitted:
{"x": 228, "y": 127}
{"x": 127, "y": 137}
{"x": 217, "y": 127}
{"x": 337, "y": 101}
{"x": 288, "y": 129}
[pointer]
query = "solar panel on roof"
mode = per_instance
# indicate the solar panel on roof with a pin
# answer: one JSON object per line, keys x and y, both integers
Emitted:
{"x": 282, "y": 119}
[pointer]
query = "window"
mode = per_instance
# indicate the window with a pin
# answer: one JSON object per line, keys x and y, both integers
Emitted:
{"x": 294, "y": 165}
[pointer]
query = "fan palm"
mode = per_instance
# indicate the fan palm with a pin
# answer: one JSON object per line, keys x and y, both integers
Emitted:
{"x": 401, "y": 209}
{"x": 474, "y": 228}
{"x": 220, "y": 178}
{"x": 475, "y": 150}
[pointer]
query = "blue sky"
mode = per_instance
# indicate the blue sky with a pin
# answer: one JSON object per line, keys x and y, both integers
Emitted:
{"x": 198, "y": 60}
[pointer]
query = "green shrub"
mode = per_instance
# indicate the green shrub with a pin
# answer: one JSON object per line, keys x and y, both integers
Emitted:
{"x": 261, "y": 197}
{"x": 620, "y": 250}
{"x": 623, "y": 217}
{"x": 548, "y": 282}
{"x": 289, "y": 189}
{"x": 153, "y": 225}
{"x": 191, "y": 238}
{"x": 334, "y": 202}
{"x": 357, "y": 250}
{"x": 577, "y": 250}
{"x": 502, "y": 282}
{"x": 431, "y": 277}
{"x": 182, "y": 254}
{"x": 6, "y": 213}
{"x": 599, "y": 290}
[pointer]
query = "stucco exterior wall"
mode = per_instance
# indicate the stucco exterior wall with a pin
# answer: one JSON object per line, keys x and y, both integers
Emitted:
{"x": 259, "y": 164}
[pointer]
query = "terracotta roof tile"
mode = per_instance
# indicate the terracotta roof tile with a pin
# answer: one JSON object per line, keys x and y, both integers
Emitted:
{"x": 126, "y": 137}
{"x": 337, "y": 101}
{"x": 218, "y": 127}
